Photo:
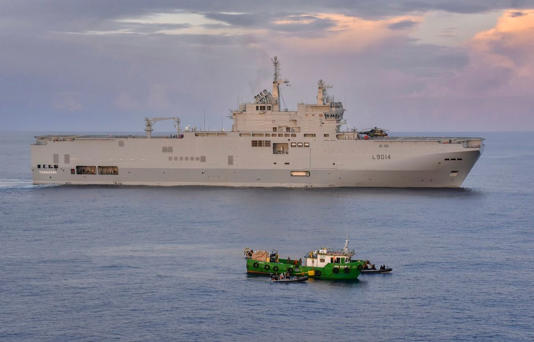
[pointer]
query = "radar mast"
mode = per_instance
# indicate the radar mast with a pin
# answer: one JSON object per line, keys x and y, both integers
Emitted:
{"x": 276, "y": 83}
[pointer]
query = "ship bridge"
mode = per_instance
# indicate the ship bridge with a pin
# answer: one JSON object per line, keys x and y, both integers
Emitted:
{"x": 265, "y": 115}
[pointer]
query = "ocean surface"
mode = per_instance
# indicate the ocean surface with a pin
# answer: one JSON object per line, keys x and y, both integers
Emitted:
{"x": 154, "y": 264}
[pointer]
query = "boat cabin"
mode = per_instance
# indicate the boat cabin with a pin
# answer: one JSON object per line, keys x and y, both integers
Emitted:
{"x": 324, "y": 256}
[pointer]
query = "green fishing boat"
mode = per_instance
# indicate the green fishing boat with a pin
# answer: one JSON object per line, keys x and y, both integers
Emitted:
{"x": 323, "y": 263}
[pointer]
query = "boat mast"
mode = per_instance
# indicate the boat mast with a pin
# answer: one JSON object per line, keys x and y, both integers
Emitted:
{"x": 346, "y": 247}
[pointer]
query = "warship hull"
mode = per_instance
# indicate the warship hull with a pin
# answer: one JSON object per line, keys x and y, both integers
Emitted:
{"x": 230, "y": 160}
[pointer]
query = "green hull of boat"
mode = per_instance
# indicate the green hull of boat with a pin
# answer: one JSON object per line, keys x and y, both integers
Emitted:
{"x": 332, "y": 271}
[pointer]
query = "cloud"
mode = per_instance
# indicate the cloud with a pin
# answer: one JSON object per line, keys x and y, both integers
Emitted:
{"x": 508, "y": 47}
{"x": 240, "y": 19}
{"x": 345, "y": 34}
{"x": 110, "y": 66}
{"x": 517, "y": 14}
{"x": 403, "y": 24}
{"x": 303, "y": 24}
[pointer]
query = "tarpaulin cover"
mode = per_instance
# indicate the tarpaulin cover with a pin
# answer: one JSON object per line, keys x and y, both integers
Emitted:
{"x": 260, "y": 256}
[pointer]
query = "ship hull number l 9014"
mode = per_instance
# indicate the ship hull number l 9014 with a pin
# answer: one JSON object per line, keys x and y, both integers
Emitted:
{"x": 380, "y": 156}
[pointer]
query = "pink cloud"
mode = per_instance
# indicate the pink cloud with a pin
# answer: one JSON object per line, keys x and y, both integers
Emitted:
{"x": 350, "y": 34}
{"x": 503, "y": 56}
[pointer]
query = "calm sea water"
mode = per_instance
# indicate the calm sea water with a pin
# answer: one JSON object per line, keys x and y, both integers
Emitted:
{"x": 143, "y": 263}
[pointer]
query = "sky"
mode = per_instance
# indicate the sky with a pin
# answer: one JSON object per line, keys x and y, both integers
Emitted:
{"x": 404, "y": 65}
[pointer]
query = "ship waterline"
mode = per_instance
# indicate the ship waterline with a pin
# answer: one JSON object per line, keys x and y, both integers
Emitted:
{"x": 267, "y": 147}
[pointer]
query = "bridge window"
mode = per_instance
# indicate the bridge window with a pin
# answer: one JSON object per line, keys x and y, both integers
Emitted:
{"x": 260, "y": 143}
{"x": 280, "y": 148}
{"x": 309, "y": 135}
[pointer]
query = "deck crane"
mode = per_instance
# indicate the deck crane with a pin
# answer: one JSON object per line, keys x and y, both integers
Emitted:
{"x": 149, "y": 122}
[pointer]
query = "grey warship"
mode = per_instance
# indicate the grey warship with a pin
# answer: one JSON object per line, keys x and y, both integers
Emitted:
{"x": 267, "y": 147}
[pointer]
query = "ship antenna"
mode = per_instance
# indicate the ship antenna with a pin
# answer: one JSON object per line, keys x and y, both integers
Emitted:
{"x": 276, "y": 65}
{"x": 346, "y": 248}
{"x": 276, "y": 83}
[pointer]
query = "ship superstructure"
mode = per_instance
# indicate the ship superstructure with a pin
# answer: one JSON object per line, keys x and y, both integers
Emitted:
{"x": 267, "y": 147}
